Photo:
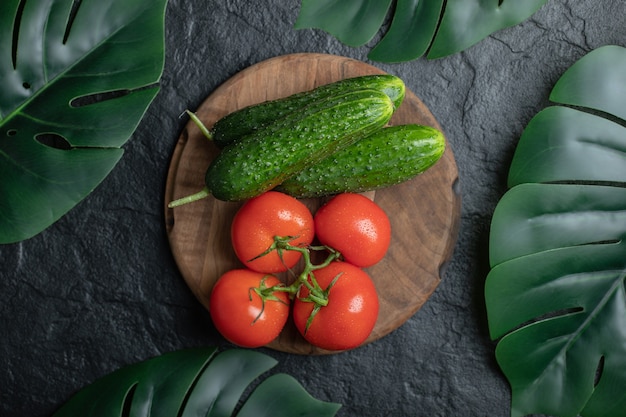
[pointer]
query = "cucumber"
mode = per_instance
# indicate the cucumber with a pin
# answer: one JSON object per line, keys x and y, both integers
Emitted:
{"x": 389, "y": 156}
{"x": 260, "y": 161}
{"x": 247, "y": 120}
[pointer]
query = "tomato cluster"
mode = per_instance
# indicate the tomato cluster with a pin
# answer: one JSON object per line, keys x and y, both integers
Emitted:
{"x": 334, "y": 302}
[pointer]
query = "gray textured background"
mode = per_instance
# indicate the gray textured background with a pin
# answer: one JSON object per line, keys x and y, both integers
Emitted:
{"x": 99, "y": 289}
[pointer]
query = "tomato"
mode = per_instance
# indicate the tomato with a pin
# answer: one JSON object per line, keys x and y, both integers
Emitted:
{"x": 262, "y": 218}
{"x": 355, "y": 226}
{"x": 350, "y": 315}
{"x": 238, "y": 311}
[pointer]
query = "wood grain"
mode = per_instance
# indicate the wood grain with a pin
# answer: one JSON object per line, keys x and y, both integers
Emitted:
{"x": 424, "y": 212}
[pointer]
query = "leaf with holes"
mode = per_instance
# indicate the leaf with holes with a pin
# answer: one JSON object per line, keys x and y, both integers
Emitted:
{"x": 196, "y": 382}
{"x": 436, "y": 27}
{"x": 555, "y": 295}
{"x": 76, "y": 78}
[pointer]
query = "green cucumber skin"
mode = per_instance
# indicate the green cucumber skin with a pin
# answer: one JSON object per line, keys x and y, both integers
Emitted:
{"x": 245, "y": 121}
{"x": 389, "y": 156}
{"x": 262, "y": 160}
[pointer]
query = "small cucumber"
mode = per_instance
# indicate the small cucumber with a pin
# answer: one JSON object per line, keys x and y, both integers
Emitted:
{"x": 389, "y": 156}
{"x": 260, "y": 161}
{"x": 244, "y": 121}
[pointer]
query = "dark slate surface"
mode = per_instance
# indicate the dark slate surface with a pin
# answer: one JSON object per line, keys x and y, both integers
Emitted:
{"x": 99, "y": 289}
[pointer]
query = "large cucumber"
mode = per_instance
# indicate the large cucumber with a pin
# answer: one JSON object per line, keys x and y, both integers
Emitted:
{"x": 387, "y": 157}
{"x": 246, "y": 120}
{"x": 260, "y": 161}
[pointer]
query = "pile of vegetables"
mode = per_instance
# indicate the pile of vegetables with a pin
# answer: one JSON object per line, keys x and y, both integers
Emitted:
{"x": 332, "y": 141}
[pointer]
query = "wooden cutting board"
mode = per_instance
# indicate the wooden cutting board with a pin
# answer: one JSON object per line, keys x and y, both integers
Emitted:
{"x": 424, "y": 212}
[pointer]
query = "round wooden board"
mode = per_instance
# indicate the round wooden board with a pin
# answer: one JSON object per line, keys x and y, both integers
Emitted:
{"x": 424, "y": 212}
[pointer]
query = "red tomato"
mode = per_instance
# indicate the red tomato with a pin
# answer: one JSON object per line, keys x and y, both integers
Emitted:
{"x": 355, "y": 226}
{"x": 350, "y": 315}
{"x": 238, "y": 312}
{"x": 262, "y": 218}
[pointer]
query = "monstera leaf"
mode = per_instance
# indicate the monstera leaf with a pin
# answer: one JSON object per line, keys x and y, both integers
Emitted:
{"x": 196, "y": 382}
{"x": 555, "y": 295}
{"x": 435, "y": 27}
{"x": 75, "y": 79}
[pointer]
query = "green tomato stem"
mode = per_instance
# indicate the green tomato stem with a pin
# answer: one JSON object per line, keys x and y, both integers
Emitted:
{"x": 317, "y": 295}
{"x": 306, "y": 278}
{"x": 265, "y": 293}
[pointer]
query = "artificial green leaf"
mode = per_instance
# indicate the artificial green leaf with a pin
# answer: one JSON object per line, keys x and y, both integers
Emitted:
{"x": 195, "y": 382}
{"x": 435, "y": 28}
{"x": 565, "y": 144}
{"x": 413, "y": 26}
{"x": 353, "y": 22}
{"x": 280, "y": 396}
{"x": 76, "y": 78}
{"x": 532, "y": 218}
{"x": 138, "y": 386}
{"x": 583, "y": 86}
{"x": 466, "y": 22}
{"x": 556, "y": 295}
